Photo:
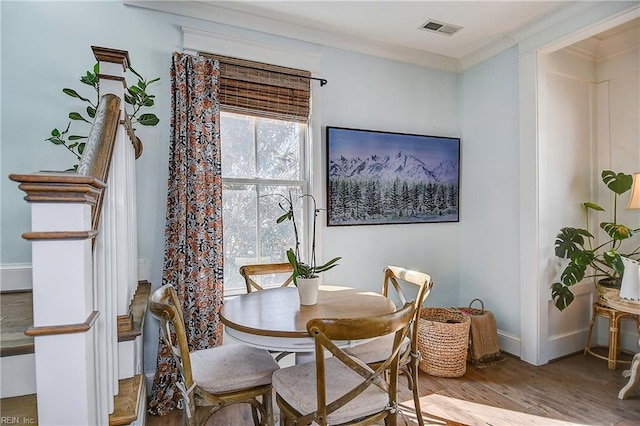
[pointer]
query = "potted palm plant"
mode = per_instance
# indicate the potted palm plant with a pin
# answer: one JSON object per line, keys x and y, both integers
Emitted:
{"x": 586, "y": 258}
{"x": 305, "y": 275}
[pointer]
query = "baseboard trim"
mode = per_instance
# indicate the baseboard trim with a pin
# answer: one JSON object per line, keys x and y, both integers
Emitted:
{"x": 509, "y": 343}
{"x": 15, "y": 277}
{"x": 18, "y": 375}
{"x": 566, "y": 344}
{"x": 149, "y": 376}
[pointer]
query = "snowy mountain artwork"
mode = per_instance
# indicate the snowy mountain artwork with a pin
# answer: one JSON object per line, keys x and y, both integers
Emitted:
{"x": 376, "y": 178}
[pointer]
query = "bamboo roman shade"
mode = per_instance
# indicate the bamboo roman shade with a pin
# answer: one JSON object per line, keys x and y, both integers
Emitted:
{"x": 265, "y": 90}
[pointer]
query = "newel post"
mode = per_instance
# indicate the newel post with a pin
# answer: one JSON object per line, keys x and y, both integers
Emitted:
{"x": 63, "y": 300}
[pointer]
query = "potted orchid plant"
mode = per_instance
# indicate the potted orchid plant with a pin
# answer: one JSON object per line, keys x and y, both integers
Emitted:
{"x": 305, "y": 275}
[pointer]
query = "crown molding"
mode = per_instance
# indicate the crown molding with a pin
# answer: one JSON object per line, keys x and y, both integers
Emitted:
{"x": 196, "y": 40}
{"x": 585, "y": 49}
{"x": 486, "y": 52}
{"x": 618, "y": 44}
{"x": 558, "y": 29}
{"x": 596, "y": 50}
{"x": 574, "y": 23}
{"x": 215, "y": 13}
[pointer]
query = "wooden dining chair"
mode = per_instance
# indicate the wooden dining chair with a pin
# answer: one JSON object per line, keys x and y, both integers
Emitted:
{"x": 215, "y": 377}
{"x": 341, "y": 390}
{"x": 248, "y": 272}
{"x": 375, "y": 352}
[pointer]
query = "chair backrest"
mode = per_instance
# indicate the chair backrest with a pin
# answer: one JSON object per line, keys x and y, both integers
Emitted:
{"x": 326, "y": 331}
{"x": 419, "y": 281}
{"x": 165, "y": 306}
{"x": 250, "y": 271}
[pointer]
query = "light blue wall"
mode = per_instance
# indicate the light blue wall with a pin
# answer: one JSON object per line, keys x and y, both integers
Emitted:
{"x": 46, "y": 46}
{"x": 489, "y": 227}
{"x": 370, "y": 93}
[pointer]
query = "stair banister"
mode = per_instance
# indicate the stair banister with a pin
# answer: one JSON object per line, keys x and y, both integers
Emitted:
{"x": 84, "y": 264}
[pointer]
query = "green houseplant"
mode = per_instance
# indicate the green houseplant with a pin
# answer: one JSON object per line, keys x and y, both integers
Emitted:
{"x": 585, "y": 258}
{"x": 300, "y": 268}
{"x": 136, "y": 96}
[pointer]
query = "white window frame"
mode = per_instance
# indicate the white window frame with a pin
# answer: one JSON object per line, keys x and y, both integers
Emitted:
{"x": 304, "y": 183}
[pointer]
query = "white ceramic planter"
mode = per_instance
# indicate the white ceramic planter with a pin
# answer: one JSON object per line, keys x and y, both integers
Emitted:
{"x": 308, "y": 290}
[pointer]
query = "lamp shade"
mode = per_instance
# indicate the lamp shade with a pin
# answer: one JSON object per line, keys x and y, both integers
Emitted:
{"x": 634, "y": 199}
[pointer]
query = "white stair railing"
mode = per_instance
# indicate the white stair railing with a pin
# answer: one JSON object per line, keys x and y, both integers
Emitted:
{"x": 84, "y": 263}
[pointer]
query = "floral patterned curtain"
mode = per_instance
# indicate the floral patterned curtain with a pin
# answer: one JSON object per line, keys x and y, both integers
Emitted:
{"x": 193, "y": 234}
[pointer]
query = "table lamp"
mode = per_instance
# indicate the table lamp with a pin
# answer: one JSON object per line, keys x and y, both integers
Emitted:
{"x": 630, "y": 286}
{"x": 634, "y": 199}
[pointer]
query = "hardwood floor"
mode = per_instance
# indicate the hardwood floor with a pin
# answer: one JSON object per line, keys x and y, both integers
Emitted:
{"x": 574, "y": 390}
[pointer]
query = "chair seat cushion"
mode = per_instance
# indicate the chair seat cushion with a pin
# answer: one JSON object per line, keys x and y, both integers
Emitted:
{"x": 297, "y": 386}
{"x": 232, "y": 367}
{"x": 376, "y": 350}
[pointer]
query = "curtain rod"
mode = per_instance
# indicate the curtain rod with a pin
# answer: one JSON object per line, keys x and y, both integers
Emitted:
{"x": 321, "y": 80}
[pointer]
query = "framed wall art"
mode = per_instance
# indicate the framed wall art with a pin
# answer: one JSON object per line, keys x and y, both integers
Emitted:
{"x": 376, "y": 178}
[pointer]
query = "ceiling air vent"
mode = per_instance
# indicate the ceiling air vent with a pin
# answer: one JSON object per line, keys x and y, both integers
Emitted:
{"x": 440, "y": 27}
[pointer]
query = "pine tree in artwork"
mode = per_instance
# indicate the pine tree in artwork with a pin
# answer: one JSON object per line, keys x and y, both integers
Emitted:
{"x": 441, "y": 198}
{"x": 356, "y": 195}
{"x": 406, "y": 199}
{"x": 430, "y": 198}
{"x": 453, "y": 196}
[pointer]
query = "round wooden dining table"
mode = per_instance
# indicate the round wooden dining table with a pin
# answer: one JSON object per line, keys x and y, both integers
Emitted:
{"x": 273, "y": 319}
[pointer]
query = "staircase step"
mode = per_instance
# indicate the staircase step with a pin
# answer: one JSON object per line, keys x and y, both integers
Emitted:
{"x": 137, "y": 311}
{"x": 19, "y": 410}
{"x": 24, "y": 409}
{"x": 17, "y": 317}
{"x": 128, "y": 401}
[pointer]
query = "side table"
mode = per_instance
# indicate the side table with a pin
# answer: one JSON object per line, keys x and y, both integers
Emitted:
{"x": 615, "y": 317}
{"x": 633, "y": 373}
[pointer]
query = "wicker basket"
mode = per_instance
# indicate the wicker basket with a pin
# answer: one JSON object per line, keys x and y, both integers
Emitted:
{"x": 443, "y": 339}
{"x": 483, "y": 335}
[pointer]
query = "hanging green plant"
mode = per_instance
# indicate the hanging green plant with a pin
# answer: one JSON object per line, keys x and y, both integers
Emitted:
{"x": 136, "y": 96}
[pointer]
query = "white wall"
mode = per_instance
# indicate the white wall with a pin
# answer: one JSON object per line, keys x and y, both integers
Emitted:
{"x": 46, "y": 46}
{"x": 566, "y": 154}
{"x": 618, "y": 115}
{"x": 489, "y": 227}
{"x": 589, "y": 124}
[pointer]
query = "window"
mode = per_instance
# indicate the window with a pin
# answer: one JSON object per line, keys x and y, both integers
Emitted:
{"x": 262, "y": 161}
{"x": 264, "y": 111}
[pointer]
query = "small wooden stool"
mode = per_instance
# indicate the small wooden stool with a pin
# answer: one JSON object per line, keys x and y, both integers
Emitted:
{"x": 614, "y": 316}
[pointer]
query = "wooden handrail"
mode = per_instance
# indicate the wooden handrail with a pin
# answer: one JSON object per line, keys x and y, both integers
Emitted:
{"x": 87, "y": 185}
{"x": 96, "y": 158}
{"x": 83, "y": 327}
